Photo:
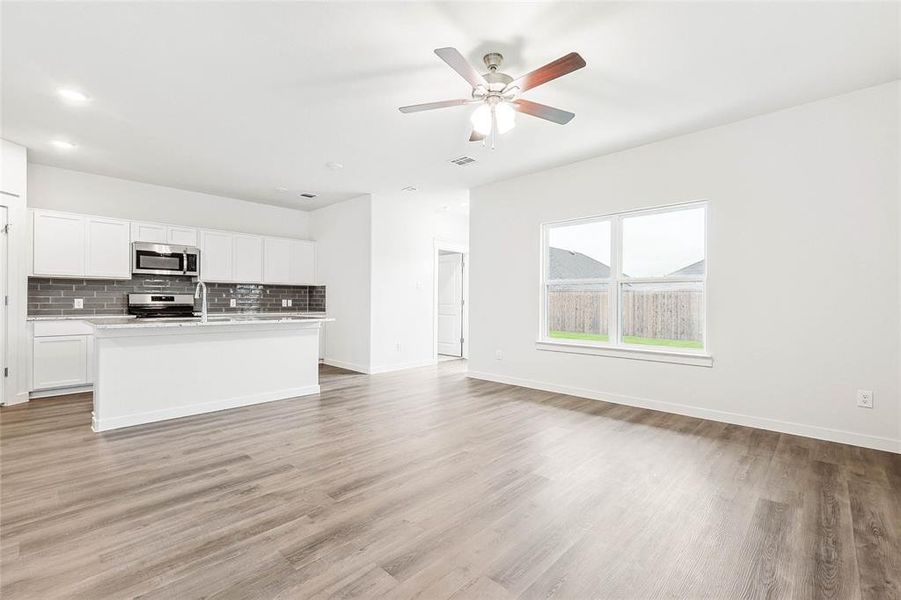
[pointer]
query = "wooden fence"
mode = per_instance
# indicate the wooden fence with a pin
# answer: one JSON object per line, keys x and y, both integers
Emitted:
{"x": 654, "y": 313}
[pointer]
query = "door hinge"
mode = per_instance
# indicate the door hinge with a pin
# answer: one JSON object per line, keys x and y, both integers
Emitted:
{"x": 5, "y": 300}
{"x": 6, "y": 371}
{"x": 6, "y": 228}
{"x": 461, "y": 340}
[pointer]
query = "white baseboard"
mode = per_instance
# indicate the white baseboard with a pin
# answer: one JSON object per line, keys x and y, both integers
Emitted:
{"x": 196, "y": 409}
{"x": 62, "y": 391}
{"x": 402, "y": 366}
{"x": 20, "y": 398}
{"x": 346, "y": 365}
{"x": 811, "y": 431}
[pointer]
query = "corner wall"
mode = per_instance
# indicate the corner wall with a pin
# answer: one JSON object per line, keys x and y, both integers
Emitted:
{"x": 343, "y": 235}
{"x": 404, "y": 229}
{"x": 375, "y": 255}
{"x": 804, "y": 279}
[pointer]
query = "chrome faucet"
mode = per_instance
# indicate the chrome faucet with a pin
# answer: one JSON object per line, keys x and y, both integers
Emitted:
{"x": 201, "y": 286}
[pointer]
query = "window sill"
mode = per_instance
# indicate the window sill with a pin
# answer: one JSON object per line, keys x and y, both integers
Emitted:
{"x": 654, "y": 355}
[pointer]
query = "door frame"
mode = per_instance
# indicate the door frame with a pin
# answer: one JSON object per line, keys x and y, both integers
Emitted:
{"x": 461, "y": 248}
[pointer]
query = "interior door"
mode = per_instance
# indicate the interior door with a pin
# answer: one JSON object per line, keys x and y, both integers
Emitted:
{"x": 450, "y": 304}
{"x": 3, "y": 308}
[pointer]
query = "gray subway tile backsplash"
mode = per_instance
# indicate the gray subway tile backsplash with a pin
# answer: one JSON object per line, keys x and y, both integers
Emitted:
{"x": 54, "y": 297}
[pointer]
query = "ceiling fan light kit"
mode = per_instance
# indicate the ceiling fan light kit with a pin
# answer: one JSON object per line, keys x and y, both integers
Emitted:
{"x": 497, "y": 94}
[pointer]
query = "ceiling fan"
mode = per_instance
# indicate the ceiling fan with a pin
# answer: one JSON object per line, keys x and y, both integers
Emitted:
{"x": 497, "y": 94}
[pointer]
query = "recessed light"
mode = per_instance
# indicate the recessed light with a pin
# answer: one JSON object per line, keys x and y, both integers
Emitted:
{"x": 307, "y": 195}
{"x": 409, "y": 188}
{"x": 334, "y": 166}
{"x": 72, "y": 95}
{"x": 281, "y": 189}
{"x": 63, "y": 145}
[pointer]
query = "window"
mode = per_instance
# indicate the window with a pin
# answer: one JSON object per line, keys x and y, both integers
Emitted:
{"x": 630, "y": 281}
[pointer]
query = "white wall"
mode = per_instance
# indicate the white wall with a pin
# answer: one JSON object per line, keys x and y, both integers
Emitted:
{"x": 343, "y": 262}
{"x": 61, "y": 189}
{"x": 803, "y": 281}
{"x": 404, "y": 229}
{"x": 14, "y": 182}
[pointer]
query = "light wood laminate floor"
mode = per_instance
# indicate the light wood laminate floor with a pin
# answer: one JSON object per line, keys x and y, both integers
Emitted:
{"x": 426, "y": 484}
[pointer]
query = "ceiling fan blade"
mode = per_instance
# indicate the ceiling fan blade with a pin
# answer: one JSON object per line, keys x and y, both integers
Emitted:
{"x": 455, "y": 61}
{"x": 548, "y": 113}
{"x": 433, "y": 105}
{"x": 475, "y": 136}
{"x": 560, "y": 67}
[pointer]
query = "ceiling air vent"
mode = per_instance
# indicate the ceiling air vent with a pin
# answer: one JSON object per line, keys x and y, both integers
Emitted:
{"x": 463, "y": 161}
{"x": 305, "y": 195}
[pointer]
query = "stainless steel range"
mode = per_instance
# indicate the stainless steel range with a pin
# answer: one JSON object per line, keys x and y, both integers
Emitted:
{"x": 161, "y": 306}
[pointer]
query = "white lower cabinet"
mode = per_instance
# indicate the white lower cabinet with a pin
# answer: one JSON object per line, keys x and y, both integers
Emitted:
{"x": 60, "y": 361}
{"x": 62, "y": 354}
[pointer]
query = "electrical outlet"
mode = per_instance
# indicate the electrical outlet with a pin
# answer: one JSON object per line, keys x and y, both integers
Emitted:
{"x": 289, "y": 302}
{"x": 232, "y": 303}
{"x": 865, "y": 398}
{"x": 284, "y": 303}
{"x": 398, "y": 346}
{"x": 78, "y": 303}
{"x": 498, "y": 355}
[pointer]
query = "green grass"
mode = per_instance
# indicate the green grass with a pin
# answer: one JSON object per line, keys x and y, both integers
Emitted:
{"x": 628, "y": 339}
{"x": 572, "y": 335}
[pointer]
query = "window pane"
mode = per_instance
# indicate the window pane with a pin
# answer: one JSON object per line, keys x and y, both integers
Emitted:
{"x": 578, "y": 312}
{"x": 663, "y": 314}
{"x": 664, "y": 244}
{"x": 579, "y": 251}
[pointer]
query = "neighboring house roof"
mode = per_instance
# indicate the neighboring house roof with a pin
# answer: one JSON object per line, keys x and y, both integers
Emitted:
{"x": 696, "y": 268}
{"x": 566, "y": 264}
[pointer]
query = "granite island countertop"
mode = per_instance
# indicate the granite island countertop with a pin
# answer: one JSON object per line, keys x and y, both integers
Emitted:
{"x": 212, "y": 321}
{"x": 132, "y": 317}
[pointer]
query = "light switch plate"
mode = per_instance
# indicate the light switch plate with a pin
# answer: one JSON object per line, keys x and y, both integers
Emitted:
{"x": 78, "y": 303}
{"x": 232, "y": 303}
{"x": 289, "y": 302}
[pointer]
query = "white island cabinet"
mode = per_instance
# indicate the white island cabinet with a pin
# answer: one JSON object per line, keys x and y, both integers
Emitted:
{"x": 152, "y": 371}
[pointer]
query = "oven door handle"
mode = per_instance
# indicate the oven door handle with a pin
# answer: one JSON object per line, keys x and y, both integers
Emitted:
{"x": 184, "y": 264}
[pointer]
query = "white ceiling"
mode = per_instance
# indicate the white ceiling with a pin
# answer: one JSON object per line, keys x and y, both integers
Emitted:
{"x": 240, "y": 98}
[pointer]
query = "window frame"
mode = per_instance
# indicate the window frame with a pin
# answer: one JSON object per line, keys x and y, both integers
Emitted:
{"x": 615, "y": 285}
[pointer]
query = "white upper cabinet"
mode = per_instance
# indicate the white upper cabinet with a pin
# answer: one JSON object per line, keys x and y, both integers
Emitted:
{"x": 81, "y": 246}
{"x": 303, "y": 262}
{"x": 107, "y": 251}
{"x": 216, "y": 256}
{"x": 181, "y": 236}
{"x": 67, "y": 245}
{"x": 152, "y": 233}
{"x": 159, "y": 233}
{"x": 248, "y": 259}
{"x": 59, "y": 244}
{"x": 277, "y": 261}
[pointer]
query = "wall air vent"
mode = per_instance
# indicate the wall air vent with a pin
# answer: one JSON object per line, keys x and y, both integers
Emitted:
{"x": 305, "y": 195}
{"x": 463, "y": 161}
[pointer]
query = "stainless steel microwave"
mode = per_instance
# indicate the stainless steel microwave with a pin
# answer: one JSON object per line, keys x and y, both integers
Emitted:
{"x": 165, "y": 259}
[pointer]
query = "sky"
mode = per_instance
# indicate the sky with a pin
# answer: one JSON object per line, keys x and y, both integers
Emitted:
{"x": 653, "y": 245}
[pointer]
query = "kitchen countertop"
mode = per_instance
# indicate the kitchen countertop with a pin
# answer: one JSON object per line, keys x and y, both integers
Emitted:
{"x": 213, "y": 321}
{"x": 117, "y": 318}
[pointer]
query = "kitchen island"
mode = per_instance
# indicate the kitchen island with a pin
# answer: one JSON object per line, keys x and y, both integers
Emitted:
{"x": 152, "y": 370}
